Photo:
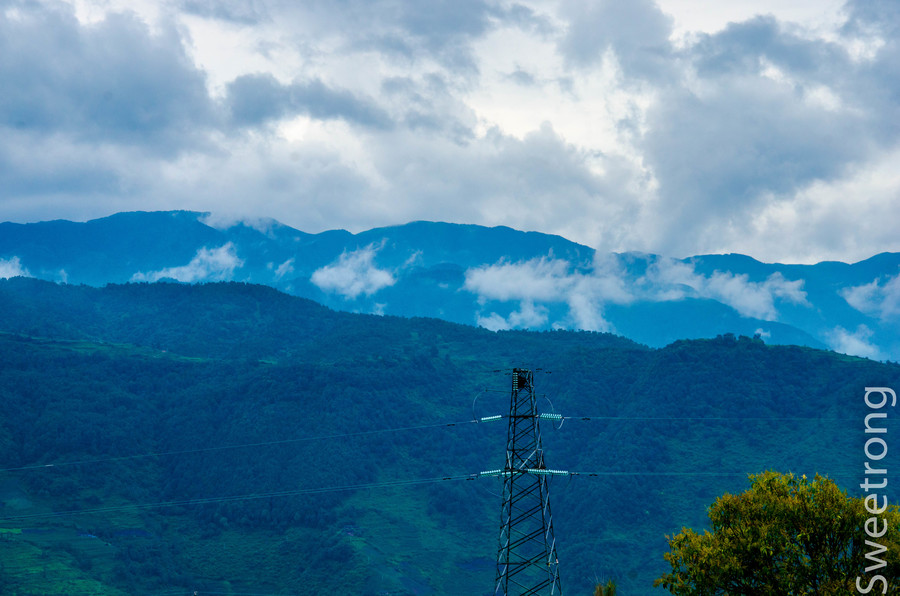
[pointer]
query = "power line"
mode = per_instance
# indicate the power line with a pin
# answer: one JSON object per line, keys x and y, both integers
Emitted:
{"x": 678, "y": 418}
{"x": 546, "y": 472}
{"x": 409, "y": 428}
{"x": 714, "y": 418}
{"x": 189, "y": 592}
{"x": 208, "y": 500}
{"x": 349, "y": 487}
{"x": 670, "y": 474}
{"x": 254, "y": 496}
{"x": 239, "y": 446}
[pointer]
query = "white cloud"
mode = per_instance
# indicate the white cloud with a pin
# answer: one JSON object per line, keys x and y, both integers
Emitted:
{"x": 353, "y": 274}
{"x": 217, "y": 264}
{"x": 545, "y": 280}
{"x": 528, "y": 316}
{"x": 876, "y": 298}
{"x": 855, "y": 343}
{"x": 12, "y": 267}
{"x": 668, "y": 279}
{"x": 585, "y": 292}
{"x": 548, "y": 280}
{"x": 221, "y": 220}
{"x": 284, "y": 269}
{"x": 493, "y": 322}
{"x": 586, "y": 311}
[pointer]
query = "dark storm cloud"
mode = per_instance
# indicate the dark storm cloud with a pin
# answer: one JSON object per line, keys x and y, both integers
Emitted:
{"x": 107, "y": 82}
{"x": 258, "y": 98}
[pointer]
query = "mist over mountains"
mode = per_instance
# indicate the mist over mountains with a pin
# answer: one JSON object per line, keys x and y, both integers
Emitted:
{"x": 497, "y": 278}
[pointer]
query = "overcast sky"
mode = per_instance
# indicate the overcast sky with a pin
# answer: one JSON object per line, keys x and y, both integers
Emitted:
{"x": 676, "y": 127}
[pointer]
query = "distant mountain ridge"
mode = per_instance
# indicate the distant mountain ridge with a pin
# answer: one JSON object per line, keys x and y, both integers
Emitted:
{"x": 498, "y": 278}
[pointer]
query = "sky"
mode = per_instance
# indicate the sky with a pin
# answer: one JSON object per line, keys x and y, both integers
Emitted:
{"x": 677, "y": 127}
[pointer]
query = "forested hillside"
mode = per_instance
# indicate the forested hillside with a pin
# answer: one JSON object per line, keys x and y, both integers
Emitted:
{"x": 227, "y": 439}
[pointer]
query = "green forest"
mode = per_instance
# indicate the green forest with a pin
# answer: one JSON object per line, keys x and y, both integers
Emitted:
{"x": 167, "y": 439}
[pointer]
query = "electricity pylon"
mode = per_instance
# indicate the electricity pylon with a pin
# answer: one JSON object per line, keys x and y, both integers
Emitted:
{"x": 526, "y": 560}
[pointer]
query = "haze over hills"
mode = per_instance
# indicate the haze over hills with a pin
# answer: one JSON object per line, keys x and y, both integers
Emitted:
{"x": 498, "y": 278}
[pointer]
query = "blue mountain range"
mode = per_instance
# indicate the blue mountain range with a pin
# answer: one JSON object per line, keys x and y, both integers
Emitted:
{"x": 498, "y": 278}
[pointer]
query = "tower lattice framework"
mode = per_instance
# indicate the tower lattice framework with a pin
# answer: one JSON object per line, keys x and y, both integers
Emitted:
{"x": 527, "y": 562}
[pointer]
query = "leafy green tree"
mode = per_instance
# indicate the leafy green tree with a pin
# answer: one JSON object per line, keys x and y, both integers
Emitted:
{"x": 607, "y": 589}
{"x": 789, "y": 535}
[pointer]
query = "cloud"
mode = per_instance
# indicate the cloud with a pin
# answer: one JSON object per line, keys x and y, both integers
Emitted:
{"x": 257, "y": 98}
{"x": 865, "y": 15}
{"x": 586, "y": 290}
{"x": 440, "y": 31}
{"x": 763, "y": 112}
{"x": 92, "y": 111}
{"x": 108, "y": 81}
{"x": 879, "y": 298}
{"x": 217, "y": 264}
{"x": 739, "y": 47}
{"x": 537, "y": 182}
{"x": 353, "y": 274}
{"x": 547, "y": 280}
{"x": 636, "y": 31}
{"x": 721, "y": 157}
{"x": 12, "y": 267}
{"x": 668, "y": 279}
{"x": 225, "y": 221}
{"x": 763, "y": 333}
{"x": 855, "y": 343}
{"x": 493, "y": 322}
{"x": 429, "y": 104}
{"x": 541, "y": 279}
{"x": 285, "y": 268}
{"x": 245, "y": 12}
{"x": 528, "y": 316}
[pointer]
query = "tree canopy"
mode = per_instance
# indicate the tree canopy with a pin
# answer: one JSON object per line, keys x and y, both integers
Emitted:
{"x": 789, "y": 535}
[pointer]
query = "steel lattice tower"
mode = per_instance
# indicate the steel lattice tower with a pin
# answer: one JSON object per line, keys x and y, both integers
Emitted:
{"x": 527, "y": 562}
